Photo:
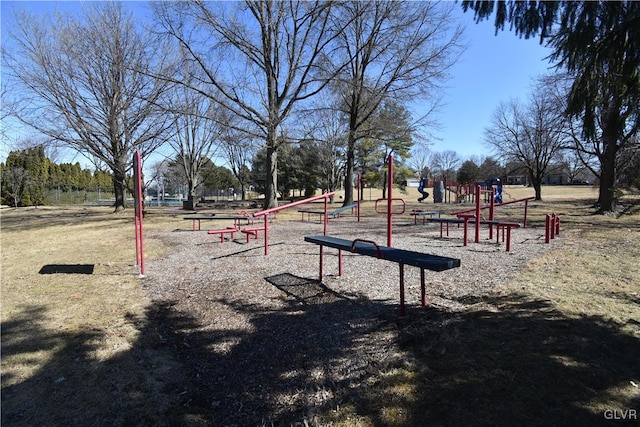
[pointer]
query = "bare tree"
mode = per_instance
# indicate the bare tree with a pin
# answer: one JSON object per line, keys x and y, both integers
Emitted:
{"x": 272, "y": 52}
{"x": 420, "y": 160}
{"x": 572, "y": 164}
{"x": 15, "y": 180}
{"x": 239, "y": 149}
{"x": 326, "y": 130}
{"x": 445, "y": 164}
{"x": 394, "y": 50}
{"x": 532, "y": 135}
{"x": 198, "y": 128}
{"x": 85, "y": 83}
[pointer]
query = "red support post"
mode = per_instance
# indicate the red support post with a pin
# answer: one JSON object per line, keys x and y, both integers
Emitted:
{"x": 358, "y": 198}
{"x": 389, "y": 197}
{"x": 477, "y": 224}
{"x": 547, "y": 225}
{"x": 423, "y": 291}
{"x": 466, "y": 228}
{"x": 491, "y": 211}
{"x": 266, "y": 235}
{"x": 402, "y": 310}
{"x": 137, "y": 183}
{"x": 326, "y": 216}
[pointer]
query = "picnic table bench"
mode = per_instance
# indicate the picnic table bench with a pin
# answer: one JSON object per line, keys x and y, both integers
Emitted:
{"x": 417, "y": 212}
{"x": 330, "y": 214}
{"x": 236, "y": 219}
{"x": 466, "y": 220}
{"x": 400, "y": 256}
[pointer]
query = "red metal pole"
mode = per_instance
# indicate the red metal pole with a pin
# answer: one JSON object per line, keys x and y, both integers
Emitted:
{"x": 547, "y": 223}
{"x": 266, "y": 234}
{"x": 292, "y": 204}
{"x": 478, "y": 196}
{"x": 137, "y": 163}
{"x": 389, "y": 196}
{"x": 466, "y": 227}
{"x": 340, "y": 262}
{"x": 402, "y": 311}
{"x": 423, "y": 291}
{"x": 326, "y": 217}
{"x": 321, "y": 258}
{"x": 137, "y": 228}
{"x": 359, "y": 189}
{"x": 491, "y": 212}
{"x": 526, "y": 206}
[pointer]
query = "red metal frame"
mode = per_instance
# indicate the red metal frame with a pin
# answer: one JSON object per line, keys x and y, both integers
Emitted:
{"x": 265, "y": 213}
{"x": 137, "y": 183}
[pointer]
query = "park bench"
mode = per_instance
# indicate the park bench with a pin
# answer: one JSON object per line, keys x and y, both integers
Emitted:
{"x": 501, "y": 225}
{"x": 417, "y": 212}
{"x": 400, "y": 256}
{"x": 330, "y": 214}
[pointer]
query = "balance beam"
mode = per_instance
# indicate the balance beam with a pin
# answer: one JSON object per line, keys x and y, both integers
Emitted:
{"x": 399, "y": 256}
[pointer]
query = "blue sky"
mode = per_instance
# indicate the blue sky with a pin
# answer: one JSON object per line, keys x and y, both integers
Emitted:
{"x": 494, "y": 68}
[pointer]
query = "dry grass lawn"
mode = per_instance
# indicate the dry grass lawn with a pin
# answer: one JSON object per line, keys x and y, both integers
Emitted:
{"x": 70, "y": 339}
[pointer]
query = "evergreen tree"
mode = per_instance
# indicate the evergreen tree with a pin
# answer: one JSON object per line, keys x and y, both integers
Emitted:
{"x": 468, "y": 173}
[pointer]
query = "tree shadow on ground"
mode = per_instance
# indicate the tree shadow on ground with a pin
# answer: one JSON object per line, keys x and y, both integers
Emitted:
{"x": 324, "y": 357}
{"x": 519, "y": 361}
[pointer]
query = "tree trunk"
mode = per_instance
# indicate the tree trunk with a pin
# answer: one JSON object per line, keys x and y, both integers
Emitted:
{"x": 270, "y": 197}
{"x": 385, "y": 178}
{"x": 536, "y": 183}
{"x": 606, "y": 198}
{"x": 191, "y": 196}
{"x": 350, "y": 166}
{"x": 119, "y": 179}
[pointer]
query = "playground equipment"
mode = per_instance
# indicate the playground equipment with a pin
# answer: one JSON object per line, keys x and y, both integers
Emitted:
{"x": 137, "y": 183}
{"x": 265, "y": 214}
{"x": 400, "y": 256}
{"x": 196, "y": 219}
{"x": 389, "y": 201}
{"x": 491, "y": 207}
{"x": 496, "y": 184}
{"x": 332, "y": 214}
{"x": 551, "y": 227}
{"x": 370, "y": 248}
{"x": 421, "y": 189}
